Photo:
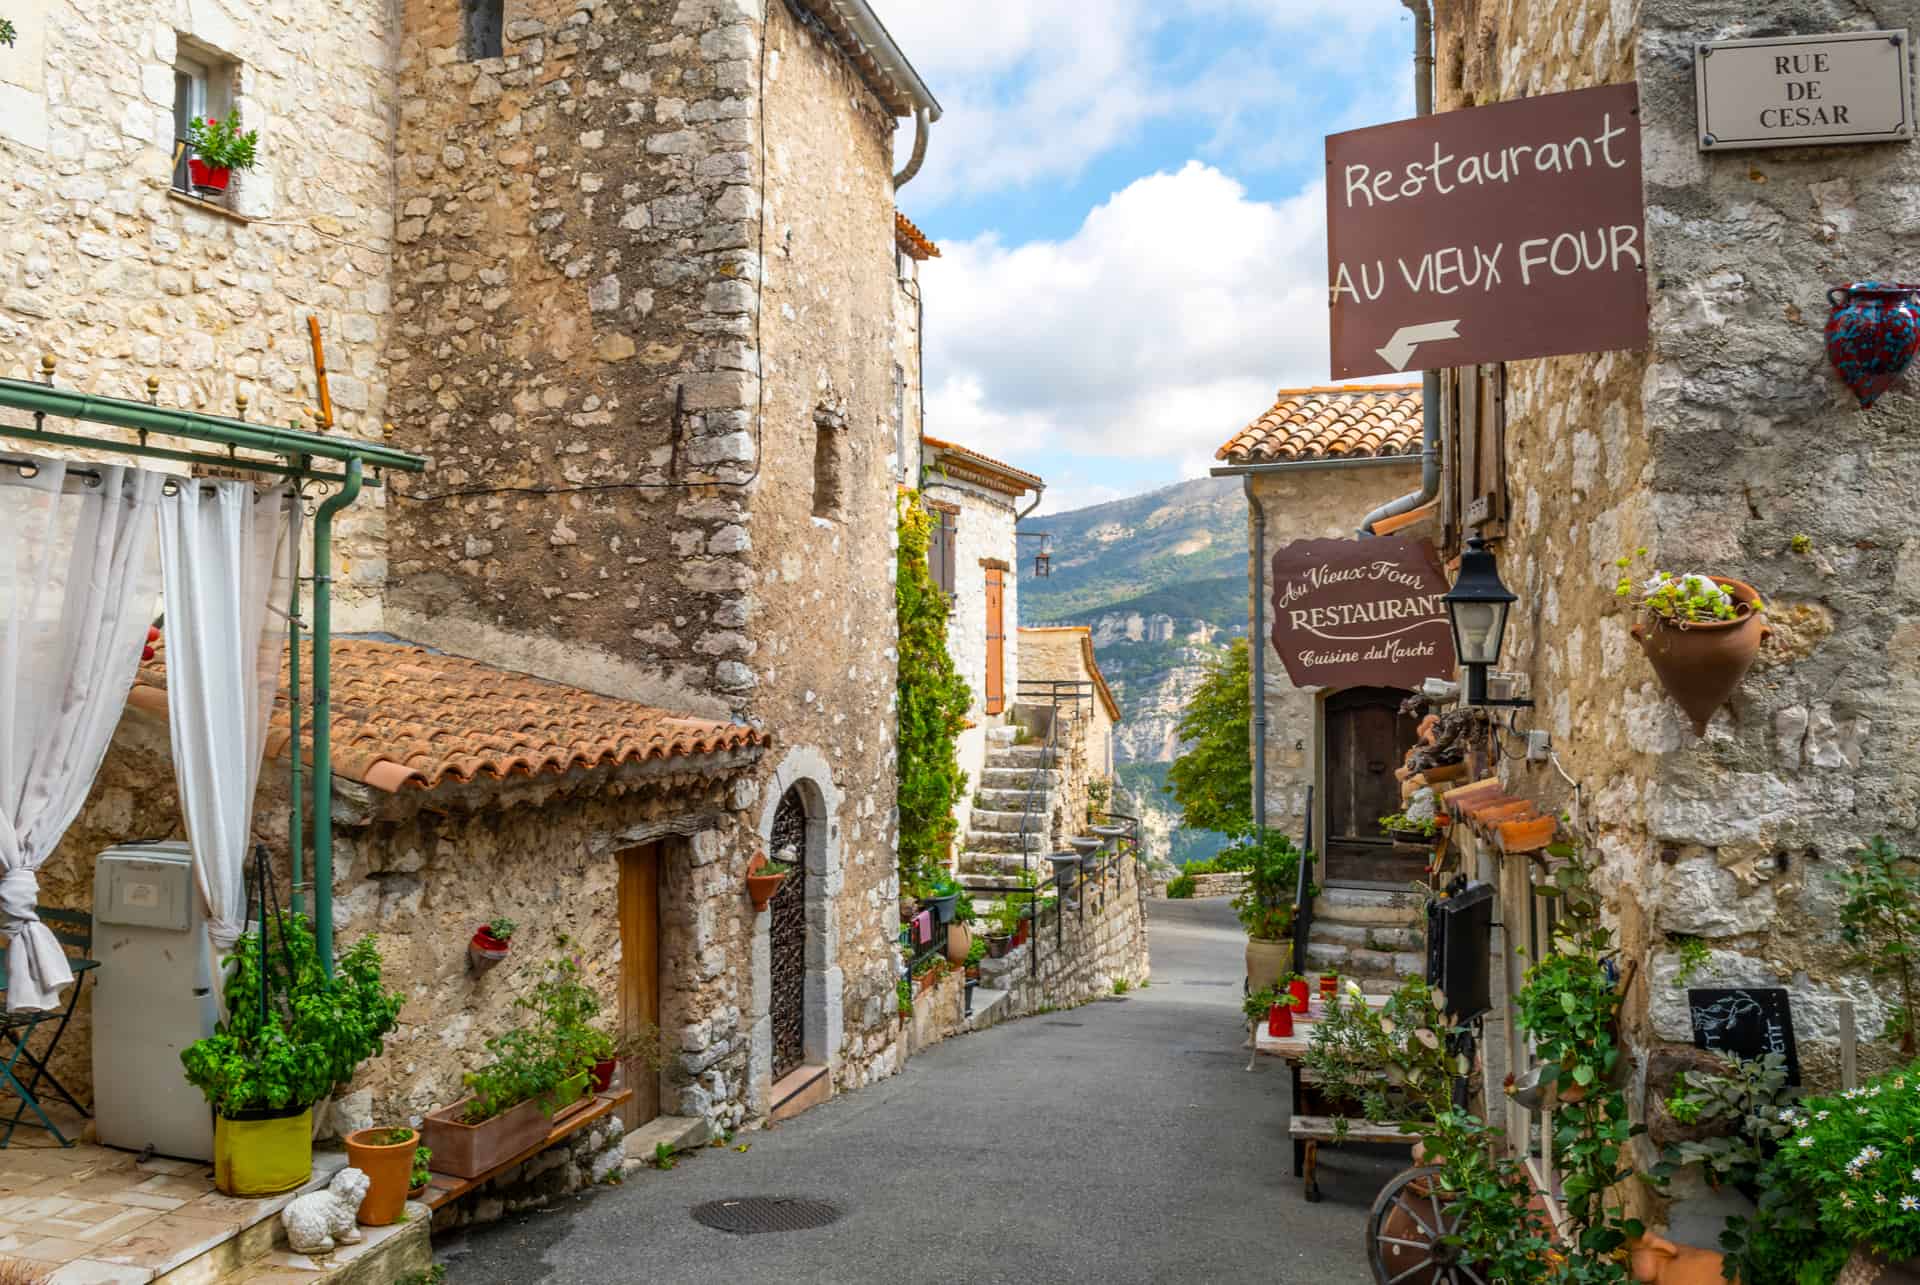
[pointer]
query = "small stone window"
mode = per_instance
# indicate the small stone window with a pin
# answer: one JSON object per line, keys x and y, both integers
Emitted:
{"x": 202, "y": 87}
{"x": 483, "y": 21}
{"x": 829, "y": 463}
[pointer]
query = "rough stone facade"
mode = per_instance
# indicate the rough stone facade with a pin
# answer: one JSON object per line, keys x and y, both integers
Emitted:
{"x": 1065, "y": 654}
{"x": 120, "y": 279}
{"x": 1105, "y": 944}
{"x": 1310, "y": 504}
{"x": 1716, "y": 448}
{"x": 645, "y": 276}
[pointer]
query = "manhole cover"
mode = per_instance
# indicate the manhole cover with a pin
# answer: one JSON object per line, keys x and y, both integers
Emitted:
{"x": 745, "y": 1215}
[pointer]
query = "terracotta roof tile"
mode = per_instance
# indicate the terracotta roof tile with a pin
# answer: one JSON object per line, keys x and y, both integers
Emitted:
{"x": 408, "y": 718}
{"x": 968, "y": 458}
{"x": 1353, "y": 421}
{"x": 912, "y": 240}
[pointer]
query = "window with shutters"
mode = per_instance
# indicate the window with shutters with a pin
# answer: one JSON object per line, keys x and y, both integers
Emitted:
{"x": 996, "y": 640}
{"x": 1473, "y": 409}
{"x": 942, "y": 545}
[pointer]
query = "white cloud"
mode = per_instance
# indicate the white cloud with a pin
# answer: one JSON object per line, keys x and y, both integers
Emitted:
{"x": 1163, "y": 325}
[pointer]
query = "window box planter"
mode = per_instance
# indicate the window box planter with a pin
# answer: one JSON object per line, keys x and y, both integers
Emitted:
{"x": 469, "y": 1150}
{"x": 1701, "y": 663}
{"x": 389, "y": 1168}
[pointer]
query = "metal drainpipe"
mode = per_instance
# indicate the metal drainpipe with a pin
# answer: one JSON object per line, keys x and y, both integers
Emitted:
{"x": 1429, "y": 380}
{"x": 1257, "y": 646}
{"x": 322, "y": 712}
{"x": 296, "y": 818}
{"x": 921, "y": 129}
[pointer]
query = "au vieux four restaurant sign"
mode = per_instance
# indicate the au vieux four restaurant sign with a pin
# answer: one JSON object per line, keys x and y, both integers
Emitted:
{"x": 1361, "y": 613}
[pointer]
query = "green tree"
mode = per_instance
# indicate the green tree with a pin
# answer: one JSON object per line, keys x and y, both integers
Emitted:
{"x": 1213, "y": 780}
{"x": 933, "y": 701}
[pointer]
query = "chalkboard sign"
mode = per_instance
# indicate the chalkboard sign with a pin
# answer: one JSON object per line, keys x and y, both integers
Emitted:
{"x": 1745, "y": 1023}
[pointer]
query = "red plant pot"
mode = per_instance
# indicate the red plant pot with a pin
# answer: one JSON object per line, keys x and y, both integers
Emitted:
{"x": 208, "y": 178}
{"x": 603, "y": 1075}
{"x": 485, "y": 950}
{"x": 1297, "y": 989}
{"x": 1280, "y": 1021}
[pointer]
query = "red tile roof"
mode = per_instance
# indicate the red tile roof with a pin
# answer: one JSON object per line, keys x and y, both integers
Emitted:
{"x": 912, "y": 240}
{"x": 984, "y": 468}
{"x": 405, "y": 718}
{"x": 1351, "y": 421}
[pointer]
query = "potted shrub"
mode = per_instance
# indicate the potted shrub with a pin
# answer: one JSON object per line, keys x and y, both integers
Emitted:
{"x": 764, "y": 877}
{"x": 1403, "y": 829}
{"x": 490, "y": 942}
{"x": 1700, "y": 633}
{"x": 421, "y": 1173}
{"x": 1265, "y": 905}
{"x": 292, "y": 1035}
{"x": 386, "y": 1156}
{"x": 944, "y": 898}
{"x": 218, "y": 149}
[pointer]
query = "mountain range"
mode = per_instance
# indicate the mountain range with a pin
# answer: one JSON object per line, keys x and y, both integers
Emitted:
{"x": 1161, "y": 579}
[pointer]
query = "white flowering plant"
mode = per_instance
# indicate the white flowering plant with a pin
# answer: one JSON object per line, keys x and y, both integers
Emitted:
{"x": 1685, "y": 597}
{"x": 1847, "y": 1174}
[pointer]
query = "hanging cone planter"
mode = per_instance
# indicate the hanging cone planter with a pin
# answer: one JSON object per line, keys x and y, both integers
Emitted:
{"x": 1873, "y": 333}
{"x": 1701, "y": 663}
{"x": 761, "y": 887}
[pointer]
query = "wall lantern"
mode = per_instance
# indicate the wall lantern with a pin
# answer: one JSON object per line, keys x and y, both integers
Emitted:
{"x": 1477, "y": 608}
{"x": 1043, "y": 557}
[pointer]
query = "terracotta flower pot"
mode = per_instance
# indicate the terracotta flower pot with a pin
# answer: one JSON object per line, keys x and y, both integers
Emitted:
{"x": 1702, "y": 664}
{"x": 1869, "y": 1268}
{"x": 762, "y": 887}
{"x": 959, "y": 943}
{"x": 1267, "y": 962}
{"x": 389, "y": 1168}
{"x": 1655, "y": 1258}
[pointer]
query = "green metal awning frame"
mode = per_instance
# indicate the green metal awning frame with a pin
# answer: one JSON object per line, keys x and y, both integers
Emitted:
{"x": 301, "y": 456}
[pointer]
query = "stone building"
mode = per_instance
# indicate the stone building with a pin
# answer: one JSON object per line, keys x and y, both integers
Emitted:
{"x": 1313, "y": 465}
{"x": 975, "y": 558}
{"x": 1064, "y": 654}
{"x": 1727, "y": 446}
{"x": 628, "y": 274}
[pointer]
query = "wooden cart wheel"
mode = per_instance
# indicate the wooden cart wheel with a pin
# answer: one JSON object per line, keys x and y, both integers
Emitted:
{"x": 1404, "y": 1235}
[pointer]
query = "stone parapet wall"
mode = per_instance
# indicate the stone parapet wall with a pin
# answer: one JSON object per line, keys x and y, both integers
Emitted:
{"x": 1219, "y": 885}
{"x": 1094, "y": 950}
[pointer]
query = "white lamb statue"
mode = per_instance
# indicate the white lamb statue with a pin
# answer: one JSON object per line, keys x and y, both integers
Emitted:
{"x": 320, "y": 1220}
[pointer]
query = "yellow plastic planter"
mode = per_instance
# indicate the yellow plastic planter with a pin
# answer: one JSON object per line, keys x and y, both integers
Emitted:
{"x": 263, "y": 1153}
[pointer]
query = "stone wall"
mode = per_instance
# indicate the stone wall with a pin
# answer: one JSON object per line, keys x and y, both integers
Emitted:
{"x": 1716, "y": 449}
{"x": 120, "y": 279}
{"x": 1230, "y": 884}
{"x": 1107, "y": 943}
{"x": 1312, "y": 504}
{"x": 1060, "y": 654}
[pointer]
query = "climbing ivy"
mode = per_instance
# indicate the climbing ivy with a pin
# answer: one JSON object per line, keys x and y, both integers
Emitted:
{"x": 933, "y": 701}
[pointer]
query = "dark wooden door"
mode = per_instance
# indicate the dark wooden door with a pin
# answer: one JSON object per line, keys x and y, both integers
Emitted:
{"x": 640, "y": 971}
{"x": 1367, "y": 738}
{"x": 996, "y": 640}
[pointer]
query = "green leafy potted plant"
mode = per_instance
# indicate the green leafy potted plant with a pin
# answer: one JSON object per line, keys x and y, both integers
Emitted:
{"x": 1403, "y": 829}
{"x": 292, "y": 1035}
{"x": 1700, "y": 633}
{"x": 1266, "y": 904}
{"x": 421, "y": 1173}
{"x": 944, "y": 896}
{"x": 218, "y": 149}
{"x": 491, "y": 942}
{"x": 764, "y": 877}
{"x": 386, "y": 1156}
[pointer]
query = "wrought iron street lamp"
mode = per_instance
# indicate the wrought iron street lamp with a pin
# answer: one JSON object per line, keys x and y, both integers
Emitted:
{"x": 1477, "y": 607}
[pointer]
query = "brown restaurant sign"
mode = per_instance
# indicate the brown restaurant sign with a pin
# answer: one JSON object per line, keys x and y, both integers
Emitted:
{"x": 1488, "y": 234}
{"x": 1361, "y": 613}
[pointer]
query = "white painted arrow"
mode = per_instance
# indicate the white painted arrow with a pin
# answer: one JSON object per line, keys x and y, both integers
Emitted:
{"x": 1399, "y": 349}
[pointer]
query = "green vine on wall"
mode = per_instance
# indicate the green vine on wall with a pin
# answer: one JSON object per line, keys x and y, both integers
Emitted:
{"x": 933, "y": 701}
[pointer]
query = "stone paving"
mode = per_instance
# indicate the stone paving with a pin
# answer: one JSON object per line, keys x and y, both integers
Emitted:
{"x": 1122, "y": 1141}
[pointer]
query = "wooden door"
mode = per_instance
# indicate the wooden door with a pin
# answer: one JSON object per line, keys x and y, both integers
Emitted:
{"x": 1366, "y": 739}
{"x": 996, "y": 640}
{"x": 640, "y": 970}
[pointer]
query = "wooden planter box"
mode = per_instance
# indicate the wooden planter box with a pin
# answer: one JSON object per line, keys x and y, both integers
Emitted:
{"x": 469, "y": 1150}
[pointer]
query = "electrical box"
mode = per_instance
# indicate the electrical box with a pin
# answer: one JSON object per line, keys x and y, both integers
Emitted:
{"x": 1460, "y": 948}
{"x": 153, "y": 996}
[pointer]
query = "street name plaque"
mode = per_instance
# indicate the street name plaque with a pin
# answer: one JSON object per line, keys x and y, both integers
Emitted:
{"x": 1801, "y": 91}
{"x": 1489, "y": 234}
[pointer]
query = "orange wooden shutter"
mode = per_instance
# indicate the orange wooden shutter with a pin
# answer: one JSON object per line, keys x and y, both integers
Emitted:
{"x": 996, "y": 641}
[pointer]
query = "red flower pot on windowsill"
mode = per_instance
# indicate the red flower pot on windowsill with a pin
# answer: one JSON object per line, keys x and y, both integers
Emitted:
{"x": 208, "y": 178}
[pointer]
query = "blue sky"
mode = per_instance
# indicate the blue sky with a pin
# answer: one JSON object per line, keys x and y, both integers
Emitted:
{"x": 1127, "y": 194}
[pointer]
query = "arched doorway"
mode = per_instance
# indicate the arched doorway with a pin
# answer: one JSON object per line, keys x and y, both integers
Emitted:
{"x": 1367, "y": 737}
{"x": 787, "y": 935}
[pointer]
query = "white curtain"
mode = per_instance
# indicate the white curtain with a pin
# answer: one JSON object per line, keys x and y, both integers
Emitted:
{"x": 223, "y": 557}
{"x": 77, "y": 593}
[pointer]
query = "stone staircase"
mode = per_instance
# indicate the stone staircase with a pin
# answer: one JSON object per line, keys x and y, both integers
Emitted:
{"x": 1376, "y": 938}
{"x": 992, "y": 849}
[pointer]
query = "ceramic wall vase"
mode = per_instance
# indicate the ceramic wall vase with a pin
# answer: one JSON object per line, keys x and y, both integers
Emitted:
{"x": 1872, "y": 335}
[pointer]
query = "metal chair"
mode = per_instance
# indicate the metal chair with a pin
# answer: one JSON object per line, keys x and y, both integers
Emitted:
{"x": 74, "y": 931}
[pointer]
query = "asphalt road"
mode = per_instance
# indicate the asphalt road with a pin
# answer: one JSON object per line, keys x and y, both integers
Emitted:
{"x": 1123, "y": 1141}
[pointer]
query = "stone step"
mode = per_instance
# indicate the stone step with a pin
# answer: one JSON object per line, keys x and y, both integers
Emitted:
{"x": 1358, "y": 962}
{"x": 999, "y": 865}
{"x": 384, "y": 1255}
{"x": 990, "y": 1007}
{"x": 1370, "y": 936}
{"x": 1019, "y": 756}
{"x": 1014, "y": 800}
{"x": 1005, "y": 841}
{"x": 1017, "y": 778}
{"x": 681, "y": 1132}
{"x": 996, "y": 874}
{"x": 1366, "y": 906}
{"x": 981, "y": 820}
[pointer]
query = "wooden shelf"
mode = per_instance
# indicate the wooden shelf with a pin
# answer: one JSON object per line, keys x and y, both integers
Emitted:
{"x": 444, "y": 1188}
